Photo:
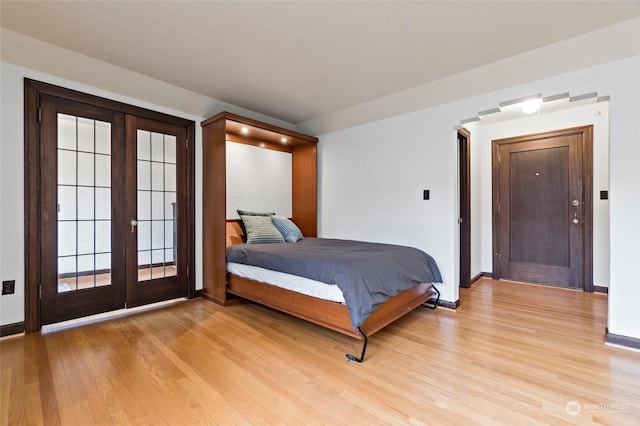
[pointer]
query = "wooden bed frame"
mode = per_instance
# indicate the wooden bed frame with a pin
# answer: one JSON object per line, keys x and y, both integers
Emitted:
{"x": 218, "y": 233}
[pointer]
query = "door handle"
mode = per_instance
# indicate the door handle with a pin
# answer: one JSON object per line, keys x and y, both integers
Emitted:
{"x": 575, "y": 219}
{"x": 133, "y": 224}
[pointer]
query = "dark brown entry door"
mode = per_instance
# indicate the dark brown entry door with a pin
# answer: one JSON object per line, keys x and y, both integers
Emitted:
{"x": 539, "y": 234}
{"x": 96, "y": 170}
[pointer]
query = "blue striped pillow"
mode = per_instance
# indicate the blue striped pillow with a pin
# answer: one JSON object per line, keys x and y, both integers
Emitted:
{"x": 287, "y": 228}
{"x": 260, "y": 229}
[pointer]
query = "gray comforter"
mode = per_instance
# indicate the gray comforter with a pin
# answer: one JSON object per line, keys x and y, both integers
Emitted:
{"x": 367, "y": 273}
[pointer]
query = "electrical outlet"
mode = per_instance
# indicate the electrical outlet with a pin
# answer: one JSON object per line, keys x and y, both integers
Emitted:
{"x": 8, "y": 287}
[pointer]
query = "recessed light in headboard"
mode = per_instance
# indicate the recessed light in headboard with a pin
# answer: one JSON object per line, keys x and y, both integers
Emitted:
{"x": 269, "y": 138}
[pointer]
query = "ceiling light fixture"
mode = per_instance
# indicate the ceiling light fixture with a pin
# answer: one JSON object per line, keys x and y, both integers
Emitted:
{"x": 245, "y": 130}
{"x": 283, "y": 140}
{"x": 531, "y": 106}
{"x": 515, "y": 104}
{"x": 515, "y": 108}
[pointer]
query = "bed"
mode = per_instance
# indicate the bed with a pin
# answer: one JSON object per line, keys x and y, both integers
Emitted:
{"x": 219, "y": 231}
{"x": 363, "y": 286}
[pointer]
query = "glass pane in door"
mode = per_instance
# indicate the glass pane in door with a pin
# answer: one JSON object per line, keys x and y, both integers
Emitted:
{"x": 156, "y": 205}
{"x": 84, "y": 203}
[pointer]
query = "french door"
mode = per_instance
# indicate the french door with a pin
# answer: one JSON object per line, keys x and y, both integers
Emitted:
{"x": 156, "y": 188}
{"x": 113, "y": 208}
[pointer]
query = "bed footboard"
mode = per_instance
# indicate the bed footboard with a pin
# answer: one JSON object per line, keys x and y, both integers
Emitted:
{"x": 332, "y": 315}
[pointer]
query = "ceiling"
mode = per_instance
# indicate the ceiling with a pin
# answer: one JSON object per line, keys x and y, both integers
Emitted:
{"x": 299, "y": 60}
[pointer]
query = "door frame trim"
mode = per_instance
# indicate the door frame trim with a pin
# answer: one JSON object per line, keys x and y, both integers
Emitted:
{"x": 586, "y": 133}
{"x": 33, "y": 89}
{"x": 464, "y": 214}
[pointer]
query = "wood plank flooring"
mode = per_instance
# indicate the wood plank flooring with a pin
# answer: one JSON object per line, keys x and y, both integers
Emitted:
{"x": 512, "y": 354}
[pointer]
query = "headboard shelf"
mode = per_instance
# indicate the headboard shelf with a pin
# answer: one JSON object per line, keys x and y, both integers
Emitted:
{"x": 258, "y": 131}
{"x": 215, "y": 133}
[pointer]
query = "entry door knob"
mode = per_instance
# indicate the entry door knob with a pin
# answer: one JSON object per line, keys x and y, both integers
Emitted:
{"x": 133, "y": 224}
{"x": 575, "y": 203}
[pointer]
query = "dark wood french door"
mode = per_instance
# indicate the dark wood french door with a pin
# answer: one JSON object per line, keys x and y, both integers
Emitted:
{"x": 113, "y": 209}
{"x": 156, "y": 199}
{"x": 542, "y": 208}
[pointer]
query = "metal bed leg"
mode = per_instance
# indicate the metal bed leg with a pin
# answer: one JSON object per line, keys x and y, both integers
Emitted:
{"x": 364, "y": 349}
{"x": 435, "y": 304}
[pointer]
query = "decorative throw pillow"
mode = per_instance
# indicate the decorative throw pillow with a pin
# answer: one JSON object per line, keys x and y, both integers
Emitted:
{"x": 287, "y": 228}
{"x": 260, "y": 229}
{"x": 248, "y": 213}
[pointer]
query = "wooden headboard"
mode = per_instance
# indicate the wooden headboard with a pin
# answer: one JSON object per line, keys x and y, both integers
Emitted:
{"x": 234, "y": 232}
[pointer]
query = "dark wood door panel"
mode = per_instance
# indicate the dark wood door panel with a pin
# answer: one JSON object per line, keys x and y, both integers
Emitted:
{"x": 539, "y": 206}
{"x": 534, "y": 195}
{"x": 534, "y": 273}
{"x": 167, "y": 278}
{"x": 81, "y": 303}
{"x": 542, "y": 208}
{"x": 63, "y": 303}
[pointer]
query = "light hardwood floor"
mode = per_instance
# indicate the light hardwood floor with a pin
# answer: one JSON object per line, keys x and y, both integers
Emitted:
{"x": 512, "y": 354}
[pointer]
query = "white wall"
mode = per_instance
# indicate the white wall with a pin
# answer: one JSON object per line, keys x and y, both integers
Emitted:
{"x": 258, "y": 180}
{"x": 371, "y": 177}
{"x": 481, "y": 191}
{"x": 371, "y": 183}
